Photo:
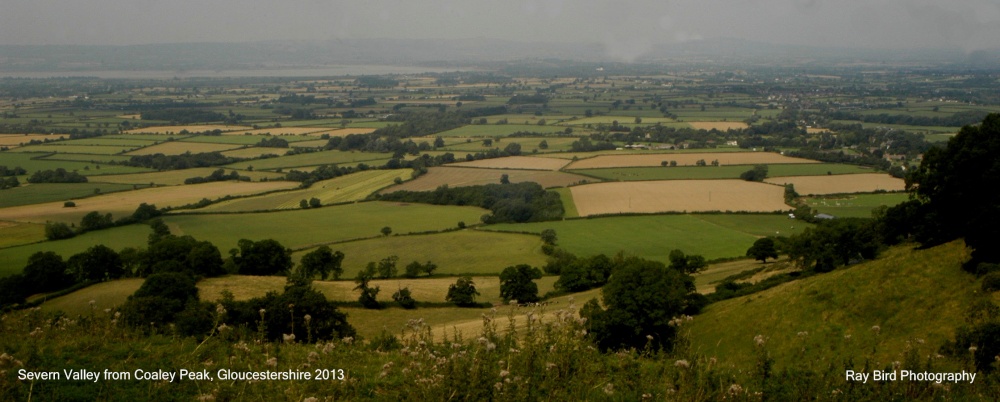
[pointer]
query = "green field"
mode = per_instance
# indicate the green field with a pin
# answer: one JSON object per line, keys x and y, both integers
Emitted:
{"x": 32, "y": 163}
{"x": 88, "y": 158}
{"x": 909, "y": 294}
{"x": 78, "y": 149}
{"x": 177, "y": 177}
{"x": 503, "y": 130}
{"x": 353, "y": 187}
{"x": 858, "y": 205}
{"x": 16, "y": 234}
{"x": 718, "y": 172}
{"x": 654, "y": 236}
{"x": 47, "y": 192}
{"x": 298, "y": 229}
{"x": 13, "y": 259}
{"x": 112, "y": 142}
{"x": 460, "y": 252}
{"x": 566, "y": 196}
{"x": 311, "y": 159}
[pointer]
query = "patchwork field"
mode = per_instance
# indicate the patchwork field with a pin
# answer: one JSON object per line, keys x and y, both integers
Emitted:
{"x": 515, "y": 162}
{"x": 685, "y": 159}
{"x": 47, "y": 192}
{"x": 177, "y": 177}
{"x": 180, "y": 147}
{"x": 124, "y": 203}
{"x": 189, "y": 128}
{"x": 459, "y": 252}
{"x": 857, "y": 205}
{"x": 303, "y": 228}
{"x": 353, "y": 187}
{"x": 654, "y": 236}
{"x": 677, "y": 196}
{"x": 718, "y": 172}
{"x": 718, "y": 125}
{"x": 856, "y": 183}
{"x": 460, "y": 176}
{"x": 15, "y": 140}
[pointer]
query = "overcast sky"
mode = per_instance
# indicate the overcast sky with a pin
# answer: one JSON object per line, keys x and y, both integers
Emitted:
{"x": 625, "y": 27}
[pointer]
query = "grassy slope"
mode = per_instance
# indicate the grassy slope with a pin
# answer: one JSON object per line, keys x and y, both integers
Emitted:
{"x": 855, "y": 205}
{"x": 13, "y": 259}
{"x": 908, "y": 294}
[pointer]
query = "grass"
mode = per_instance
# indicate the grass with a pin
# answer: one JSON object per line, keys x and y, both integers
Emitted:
{"x": 654, "y": 236}
{"x": 105, "y": 295}
{"x": 353, "y": 187}
{"x": 303, "y": 228}
{"x": 78, "y": 149}
{"x": 909, "y": 294}
{"x": 856, "y": 205}
{"x": 13, "y": 259}
{"x": 32, "y": 162}
{"x": 566, "y": 196}
{"x": 459, "y": 252}
{"x": 717, "y": 172}
{"x": 47, "y": 192}
{"x": 16, "y": 233}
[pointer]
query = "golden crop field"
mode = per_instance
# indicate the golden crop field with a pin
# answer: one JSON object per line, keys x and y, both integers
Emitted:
{"x": 123, "y": 203}
{"x": 718, "y": 125}
{"x": 838, "y": 184}
{"x": 345, "y": 131}
{"x": 515, "y": 162}
{"x": 685, "y": 159}
{"x": 463, "y": 176}
{"x": 353, "y": 187}
{"x": 180, "y": 147}
{"x": 189, "y": 128}
{"x": 677, "y": 196}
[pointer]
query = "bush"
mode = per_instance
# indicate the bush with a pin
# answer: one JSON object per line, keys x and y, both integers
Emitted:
{"x": 404, "y": 298}
{"x": 463, "y": 292}
{"x": 58, "y": 230}
{"x": 69, "y": 204}
{"x": 991, "y": 282}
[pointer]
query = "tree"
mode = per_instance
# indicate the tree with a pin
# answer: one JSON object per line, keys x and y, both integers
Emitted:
{"x": 438, "y": 142}
{"x": 46, "y": 272}
{"x": 404, "y": 298}
{"x": 368, "y": 297}
{"x": 517, "y": 283}
{"x": 504, "y": 179}
{"x": 413, "y": 269}
{"x": 687, "y": 264}
{"x": 386, "y": 231}
{"x": 463, "y": 292}
{"x": 303, "y": 204}
{"x": 549, "y": 236}
{"x": 265, "y": 257}
{"x": 512, "y": 149}
{"x": 957, "y": 202}
{"x": 98, "y": 263}
{"x": 583, "y": 274}
{"x": 758, "y": 173}
{"x": 57, "y": 231}
{"x": 762, "y": 249}
{"x": 160, "y": 298}
{"x": 322, "y": 261}
{"x": 642, "y": 297}
{"x": 95, "y": 221}
{"x": 387, "y": 267}
{"x": 315, "y": 202}
{"x": 543, "y": 144}
{"x": 145, "y": 212}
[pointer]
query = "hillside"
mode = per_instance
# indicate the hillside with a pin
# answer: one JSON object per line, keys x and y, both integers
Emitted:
{"x": 917, "y": 296}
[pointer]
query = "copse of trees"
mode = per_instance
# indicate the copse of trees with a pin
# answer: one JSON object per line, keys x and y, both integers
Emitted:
{"x": 273, "y": 142}
{"x": 58, "y": 175}
{"x": 758, "y": 173}
{"x": 177, "y": 162}
{"x": 515, "y": 202}
{"x": 263, "y": 257}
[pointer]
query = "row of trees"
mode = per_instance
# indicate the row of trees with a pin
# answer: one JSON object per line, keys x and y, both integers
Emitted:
{"x": 58, "y": 175}
{"x": 515, "y": 202}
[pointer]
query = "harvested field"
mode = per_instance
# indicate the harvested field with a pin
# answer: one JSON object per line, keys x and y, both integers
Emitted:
{"x": 313, "y": 159}
{"x": 190, "y": 128}
{"x": 350, "y": 130}
{"x": 124, "y": 203}
{"x": 718, "y": 125}
{"x": 855, "y": 183}
{"x": 15, "y": 234}
{"x": 15, "y": 140}
{"x": 515, "y": 162}
{"x": 176, "y": 177}
{"x": 677, "y": 196}
{"x": 685, "y": 159}
{"x": 309, "y": 144}
{"x": 179, "y": 147}
{"x": 463, "y": 176}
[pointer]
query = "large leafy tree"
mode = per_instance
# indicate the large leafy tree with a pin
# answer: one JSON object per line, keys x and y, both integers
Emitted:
{"x": 264, "y": 257}
{"x": 517, "y": 283}
{"x": 642, "y": 297}
{"x": 324, "y": 262}
{"x": 957, "y": 187}
{"x": 762, "y": 249}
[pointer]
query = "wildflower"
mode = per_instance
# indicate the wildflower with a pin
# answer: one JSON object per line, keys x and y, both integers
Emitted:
{"x": 848, "y": 336}
{"x": 219, "y": 309}
{"x": 609, "y": 389}
{"x": 206, "y": 397}
{"x": 36, "y": 332}
{"x": 491, "y": 346}
{"x": 92, "y": 303}
{"x": 876, "y": 329}
{"x": 107, "y": 311}
{"x": 311, "y": 399}
{"x": 550, "y": 366}
{"x": 223, "y": 327}
{"x": 682, "y": 364}
{"x": 896, "y": 364}
{"x": 273, "y": 362}
{"x": 498, "y": 386}
{"x": 348, "y": 339}
{"x": 313, "y": 356}
{"x": 803, "y": 333}
{"x": 307, "y": 317}
{"x": 760, "y": 340}
{"x": 289, "y": 338}
{"x": 504, "y": 373}
{"x": 735, "y": 389}
{"x": 713, "y": 360}
{"x": 649, "y": 338}
{"x": 837, "y": 392}
{"x": 973, "y": 349}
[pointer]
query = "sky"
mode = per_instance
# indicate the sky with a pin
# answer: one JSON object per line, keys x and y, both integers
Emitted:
{"x": 625, "y": 28}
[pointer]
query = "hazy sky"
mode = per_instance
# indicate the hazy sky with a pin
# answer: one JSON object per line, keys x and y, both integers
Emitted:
{"x": 625, "y": 27}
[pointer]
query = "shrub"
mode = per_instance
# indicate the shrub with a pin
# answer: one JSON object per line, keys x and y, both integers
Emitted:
{"x": 991, "y": 282}
{"x": 404, "y": 298}
{"x": 463, "y": 292}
